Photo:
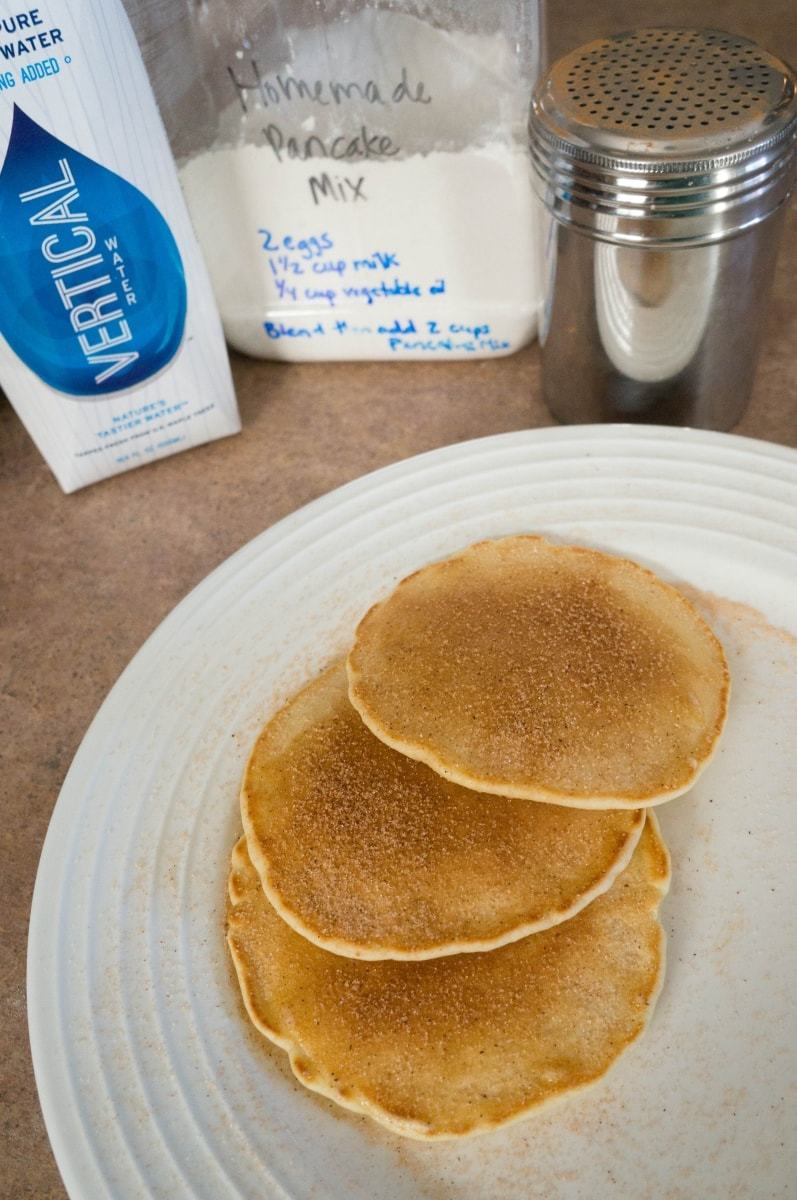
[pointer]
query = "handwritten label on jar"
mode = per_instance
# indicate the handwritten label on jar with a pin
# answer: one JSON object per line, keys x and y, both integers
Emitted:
{"x": 377, "y": 207}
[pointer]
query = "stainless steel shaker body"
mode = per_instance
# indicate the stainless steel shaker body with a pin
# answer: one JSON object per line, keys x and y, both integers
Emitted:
{"x": 663, "y": 159}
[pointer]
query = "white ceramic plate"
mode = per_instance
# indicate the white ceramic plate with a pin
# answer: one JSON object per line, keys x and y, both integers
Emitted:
{"x": 151, "y": 1082}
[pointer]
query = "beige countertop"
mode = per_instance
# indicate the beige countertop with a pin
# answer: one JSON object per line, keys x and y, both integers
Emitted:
{"x": 87, "y": 577}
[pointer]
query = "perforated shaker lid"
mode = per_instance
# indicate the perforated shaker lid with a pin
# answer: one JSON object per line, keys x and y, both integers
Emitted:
{"x": 689, "y": 125}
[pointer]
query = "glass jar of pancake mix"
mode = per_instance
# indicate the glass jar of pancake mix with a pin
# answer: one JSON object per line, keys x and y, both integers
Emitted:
{"x": 357, "y": 172}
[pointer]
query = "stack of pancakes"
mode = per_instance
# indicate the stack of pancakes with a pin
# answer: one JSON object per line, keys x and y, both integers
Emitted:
{"x": 444, "y": 906}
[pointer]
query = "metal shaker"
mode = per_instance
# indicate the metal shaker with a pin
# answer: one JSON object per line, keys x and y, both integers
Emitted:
{"x": 663, "y": 158}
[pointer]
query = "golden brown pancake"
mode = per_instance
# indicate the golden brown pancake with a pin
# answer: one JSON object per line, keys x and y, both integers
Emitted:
{"x": 544, "y": 672}
{"x": 373, "y": 855}
{"x": 452, "y": 1046}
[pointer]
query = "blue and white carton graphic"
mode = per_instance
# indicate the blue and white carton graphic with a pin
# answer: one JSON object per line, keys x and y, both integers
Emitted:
{"x": 111, "y": 348}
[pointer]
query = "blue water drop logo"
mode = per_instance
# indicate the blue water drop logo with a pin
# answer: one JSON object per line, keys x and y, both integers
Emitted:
{"x": 92, "y": 286}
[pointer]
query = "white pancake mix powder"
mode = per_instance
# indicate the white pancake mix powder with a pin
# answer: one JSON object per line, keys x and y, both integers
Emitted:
{"x": 372, "y": 198}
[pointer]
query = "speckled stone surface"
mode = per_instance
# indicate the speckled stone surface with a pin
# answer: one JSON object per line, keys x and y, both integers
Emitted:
{"x": 87, "y": 577}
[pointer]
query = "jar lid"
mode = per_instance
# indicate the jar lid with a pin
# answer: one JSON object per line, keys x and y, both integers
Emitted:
{"x": 665, "y": 135}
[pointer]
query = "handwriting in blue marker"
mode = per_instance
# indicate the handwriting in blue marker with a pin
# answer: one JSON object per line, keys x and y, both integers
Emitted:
{"x": 279, "y": 329}
{"x": 476, "y": 331}
{"x": 308, "y": 247}
{"x": 282, "y": 265}
{"x": 398, "y": 287}
{"x": 398, "y": 327}
{"x": 337, "y": 265}
{"x": 401, "y": 334}
{"x": 378, "y": 261}
{"x": 328, "y": 295}
{"x": 447, "y": 344}
{"x": 341, "y": 281}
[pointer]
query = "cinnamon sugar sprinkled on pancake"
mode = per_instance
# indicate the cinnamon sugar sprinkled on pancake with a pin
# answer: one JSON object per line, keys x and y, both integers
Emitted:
{"x": 455, "y": 1045}
{"x": 372, "y": 854}
{"x": 543, "y": 672}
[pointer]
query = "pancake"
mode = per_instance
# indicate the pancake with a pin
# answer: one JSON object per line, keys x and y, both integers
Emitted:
{"x": 373, "y": 855}
{"x": 544, "y": 672}
{"x": 453, "y": 1046}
